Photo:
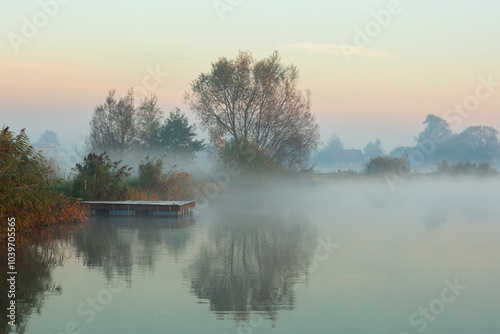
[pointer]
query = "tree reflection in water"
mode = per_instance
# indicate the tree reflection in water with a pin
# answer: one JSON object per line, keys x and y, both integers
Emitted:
{"x": 252, "y": 264}
{"x": 113, "y": 246}
{"x": 35, "y": 261}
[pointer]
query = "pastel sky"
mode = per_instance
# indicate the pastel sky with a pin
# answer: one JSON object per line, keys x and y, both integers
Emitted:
{"x": 424, "y": 58}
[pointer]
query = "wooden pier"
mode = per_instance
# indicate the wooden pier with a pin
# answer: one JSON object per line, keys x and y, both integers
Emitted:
{"x": 141, "y": 208}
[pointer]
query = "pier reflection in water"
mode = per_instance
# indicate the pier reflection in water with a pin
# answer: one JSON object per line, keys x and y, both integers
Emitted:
{"x": 115, "y": 245}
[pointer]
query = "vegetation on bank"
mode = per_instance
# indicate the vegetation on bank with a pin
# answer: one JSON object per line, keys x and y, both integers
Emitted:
{"x": 466, "y": 168}
{"x": 382, "y": 166}
{"x": 98, "y": 178}
{"x": 155, "y": 184}
{"x": 31, "y": 194}
{"x": 27, "y": 190}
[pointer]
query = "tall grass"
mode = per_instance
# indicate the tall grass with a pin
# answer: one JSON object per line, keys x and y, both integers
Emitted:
{"x": 26, "y": 191}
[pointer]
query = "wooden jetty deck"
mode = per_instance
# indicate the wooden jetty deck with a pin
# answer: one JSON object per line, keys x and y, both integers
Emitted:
{"x": 141, "y": 208}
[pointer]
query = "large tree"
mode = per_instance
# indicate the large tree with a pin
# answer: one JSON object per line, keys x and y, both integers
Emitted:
{"x": 118, "y": 126}
{"x": 149, "y": 116}
{"x": 433, "y": 144}
{"x": 113, "y": 125}
{"x": 436, "y": 130}
{"x": 478, "y": 143}
{"x": 245, "y": 100}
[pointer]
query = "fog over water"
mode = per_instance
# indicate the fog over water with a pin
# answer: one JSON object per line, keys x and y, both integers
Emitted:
{"x": 346, "y": 257}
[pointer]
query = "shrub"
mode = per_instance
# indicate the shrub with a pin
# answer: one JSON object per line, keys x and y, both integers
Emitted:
{"x": 99, "y": 178}
{"x": 150, "y": 173}
{"x": 467, "y": 168}
{"x": 178, "y": 186}
{"x": 154, "y": 184}
{"x": 381, "y": 165}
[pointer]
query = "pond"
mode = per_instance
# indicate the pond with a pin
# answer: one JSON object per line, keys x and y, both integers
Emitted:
{"x": 339, "y": 258}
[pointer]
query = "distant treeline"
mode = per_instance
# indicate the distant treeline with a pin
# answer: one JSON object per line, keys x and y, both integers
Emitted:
{"x": 435, "y": 144}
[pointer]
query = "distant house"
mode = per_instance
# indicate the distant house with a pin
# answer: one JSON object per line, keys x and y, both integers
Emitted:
{"x": 48, "y": 150}
{"x": 341, "y": 159}
{"x": 350, "y": 156}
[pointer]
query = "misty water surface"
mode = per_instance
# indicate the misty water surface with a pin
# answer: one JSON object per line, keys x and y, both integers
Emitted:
{"x": 339, "y": 258}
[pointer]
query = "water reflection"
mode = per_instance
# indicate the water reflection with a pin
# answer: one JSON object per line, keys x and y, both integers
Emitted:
{"x": 252, "y": 263}
{"x": 115, "y": 246}
{"x": 35, "y": 262}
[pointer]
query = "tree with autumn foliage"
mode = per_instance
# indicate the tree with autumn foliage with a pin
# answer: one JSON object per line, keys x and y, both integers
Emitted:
{"x": 257, "y": 102}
